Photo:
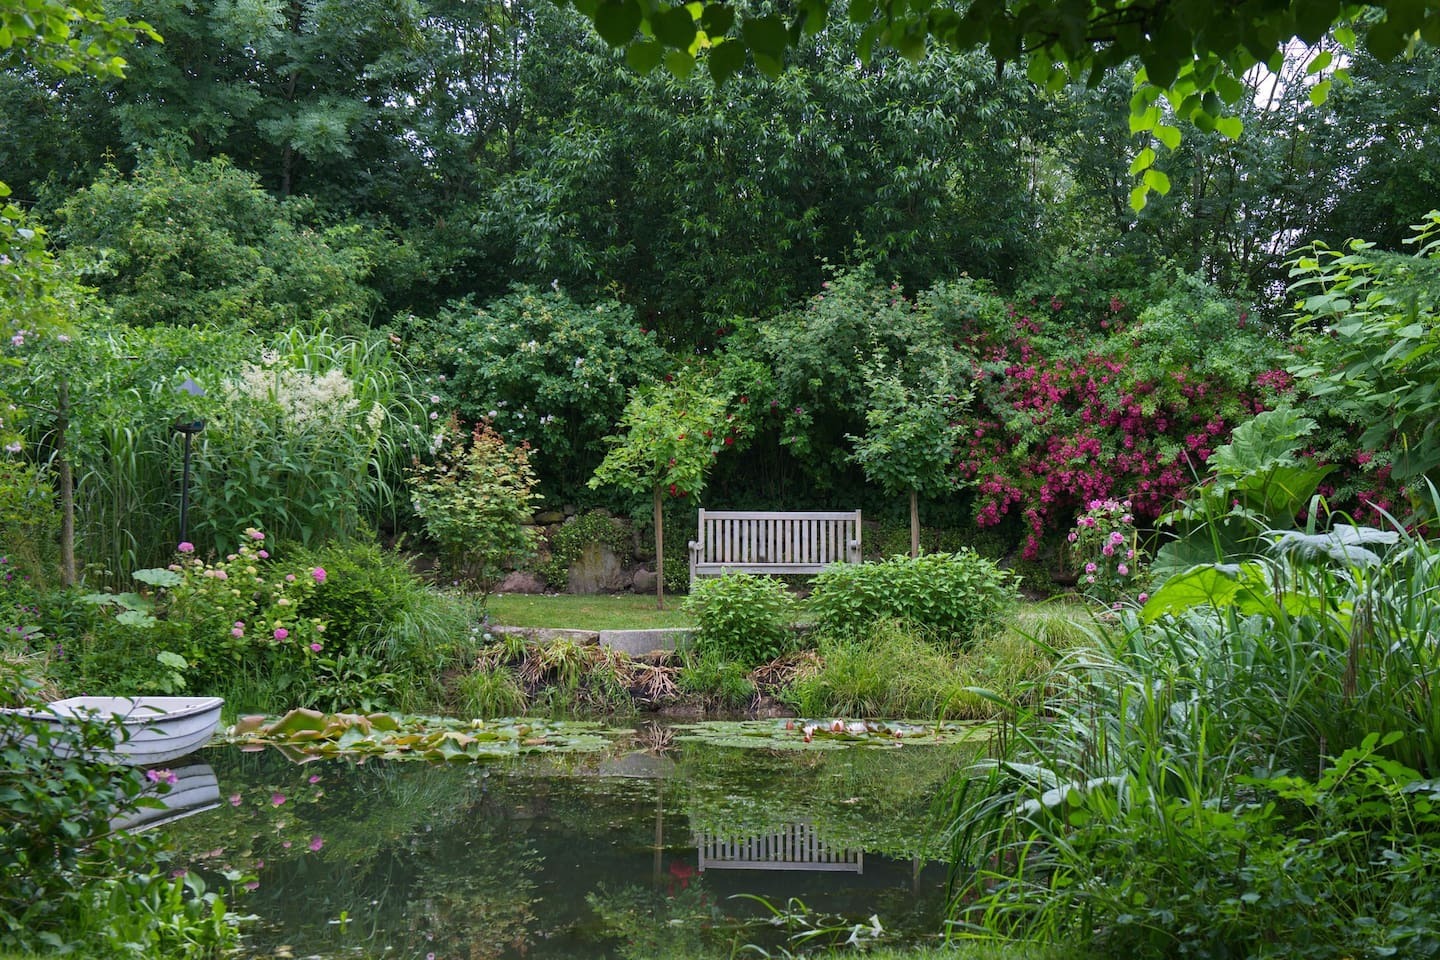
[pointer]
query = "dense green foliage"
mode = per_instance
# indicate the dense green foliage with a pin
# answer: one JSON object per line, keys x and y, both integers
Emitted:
{"x": 543, "y": 368}
{"x": 1211, "y": 708}
{"x": 742, "y": 618}
{"x": 955, "y": 597}
{"x": 574, "y": 535}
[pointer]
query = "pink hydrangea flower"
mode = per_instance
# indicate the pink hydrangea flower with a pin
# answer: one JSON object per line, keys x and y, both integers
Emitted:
{"x": 186, "y": 546}
{"x": 319, "y": 574}
{"x": 256, "y": 535}
{"x": 316, "y": 647}
{"x": 315, "y": 844}
{"x": 263, "y": 554}
{"x": 237, "y": 632}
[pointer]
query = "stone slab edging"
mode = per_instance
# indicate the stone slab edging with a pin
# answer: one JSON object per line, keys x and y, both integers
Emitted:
{"x": 631, "y": 642}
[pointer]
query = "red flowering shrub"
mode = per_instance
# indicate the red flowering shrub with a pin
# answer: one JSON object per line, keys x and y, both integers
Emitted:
{"x": 1124, "y": 407}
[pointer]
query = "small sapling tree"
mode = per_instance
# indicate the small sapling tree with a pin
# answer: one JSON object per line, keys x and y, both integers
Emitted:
{"x": 910, "y": 437}
{"x": 669, "y": 436}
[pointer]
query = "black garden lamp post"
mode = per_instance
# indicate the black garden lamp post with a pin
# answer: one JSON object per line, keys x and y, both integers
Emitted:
{"x": 189, "y": 428}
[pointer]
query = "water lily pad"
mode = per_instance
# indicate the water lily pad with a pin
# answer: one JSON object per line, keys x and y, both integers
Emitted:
{"x": 829, "y": 734}
{"x": 310, "y": 734}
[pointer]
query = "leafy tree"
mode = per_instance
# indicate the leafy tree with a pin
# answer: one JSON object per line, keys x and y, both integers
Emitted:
{"x": 1366, "y": 331}
{"x": 177, "y": 245}
{"x": 1192, "y": 56}
{"x": 695, "y": 202}
{"x": 543, "y": 368}
{"x": 911, "y": 434}
{"x": 68, "y": 35}
{"x": 1384, "y": 131}
{"x": 670, "y": 434}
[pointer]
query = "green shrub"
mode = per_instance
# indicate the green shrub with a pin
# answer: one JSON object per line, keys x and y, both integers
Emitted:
{"x": 476, "y": 500}
{"x": 574, "y": 535}
{"x": 958, "y": 596}
{"x": 742, "y": 617}
{"x": 389, "y": 635}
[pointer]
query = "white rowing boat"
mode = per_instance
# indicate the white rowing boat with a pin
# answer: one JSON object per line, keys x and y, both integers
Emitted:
{"x": 155, "y": 729}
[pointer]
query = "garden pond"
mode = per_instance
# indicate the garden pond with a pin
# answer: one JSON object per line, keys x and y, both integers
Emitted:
{"x": 579, "y": 841}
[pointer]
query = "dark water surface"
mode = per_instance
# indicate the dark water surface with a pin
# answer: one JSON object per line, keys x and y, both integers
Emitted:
{"x": 638, "y": 852}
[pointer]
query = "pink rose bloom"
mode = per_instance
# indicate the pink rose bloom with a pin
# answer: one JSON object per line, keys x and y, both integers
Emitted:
{"x": 277, "y": 799}
{"x": 315, "y": 844}
{"x": 1117, "y": 537}
{"x": 1073, "y": 536}
{"x": 319, "y": 574}
{"x": 281, "y": 633}
{"x": 1108, "y": 550}
{"x": 1123, "y": 570}
{"x": 314, "y": 778}
{"x": 186, "y": 547}
{"x": 315, "y": 648}
{"x": 1143, "y": 597}
{"x": 1089, "y": 568}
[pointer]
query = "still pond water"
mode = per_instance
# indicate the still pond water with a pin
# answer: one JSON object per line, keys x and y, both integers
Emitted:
{"x": 646, "y": 849}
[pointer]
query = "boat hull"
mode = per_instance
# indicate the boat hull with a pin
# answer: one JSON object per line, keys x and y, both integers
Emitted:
{"x": 156, "y": 729}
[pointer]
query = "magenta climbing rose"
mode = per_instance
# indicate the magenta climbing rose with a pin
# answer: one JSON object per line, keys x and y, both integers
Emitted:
{"x": 1106, "y": 546}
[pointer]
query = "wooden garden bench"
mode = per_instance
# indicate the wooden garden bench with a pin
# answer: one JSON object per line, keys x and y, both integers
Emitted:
{"x": 754, "y": 541}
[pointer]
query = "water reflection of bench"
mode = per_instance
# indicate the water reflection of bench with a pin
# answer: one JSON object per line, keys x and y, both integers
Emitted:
{"x": 794, "y": 847}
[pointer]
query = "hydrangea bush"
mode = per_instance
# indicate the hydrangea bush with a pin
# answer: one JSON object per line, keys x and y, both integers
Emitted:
{"x": 244, "y": 608}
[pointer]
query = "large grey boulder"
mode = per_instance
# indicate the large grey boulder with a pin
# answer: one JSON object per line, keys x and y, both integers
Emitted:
{"x": 597, "y": 569}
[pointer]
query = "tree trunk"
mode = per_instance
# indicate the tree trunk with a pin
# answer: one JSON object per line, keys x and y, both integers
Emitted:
{"x": 914, "y": 524}
{"x": 67, "y": 487}
{"x": 659, "y": 552}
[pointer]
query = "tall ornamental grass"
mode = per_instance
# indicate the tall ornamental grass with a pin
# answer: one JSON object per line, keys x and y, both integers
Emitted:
{"x": 306, "y": 435}
{"x": 1244, "y": 768}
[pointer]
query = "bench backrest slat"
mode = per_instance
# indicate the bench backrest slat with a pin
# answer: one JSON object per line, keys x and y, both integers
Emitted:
{"x": 760, "y": 540}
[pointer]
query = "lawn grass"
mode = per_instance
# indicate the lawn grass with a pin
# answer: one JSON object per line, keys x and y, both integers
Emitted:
{"x": 614, "y": 611}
